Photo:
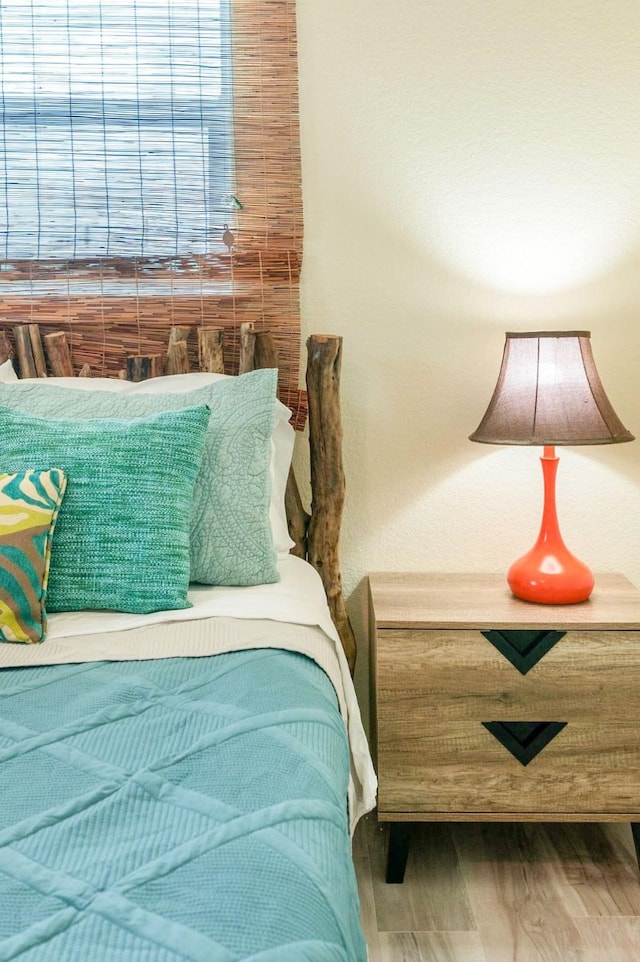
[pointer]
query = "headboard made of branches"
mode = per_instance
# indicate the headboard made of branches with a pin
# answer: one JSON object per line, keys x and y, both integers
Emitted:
{"x": 316, "y": 532}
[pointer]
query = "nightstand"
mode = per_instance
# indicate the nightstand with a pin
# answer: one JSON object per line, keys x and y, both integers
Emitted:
{"x": 487, "y": 708}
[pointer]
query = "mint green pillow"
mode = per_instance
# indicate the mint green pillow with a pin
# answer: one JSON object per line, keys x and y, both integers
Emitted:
{"x": 122, "y": 533}
{"x": 230, "y": 535}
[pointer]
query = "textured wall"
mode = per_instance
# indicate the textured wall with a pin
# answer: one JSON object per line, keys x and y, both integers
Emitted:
{"x": 470, "y": 168}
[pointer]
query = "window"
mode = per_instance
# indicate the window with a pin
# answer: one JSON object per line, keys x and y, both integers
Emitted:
{"x": 116, "y": 133}
{"x": 150, "y": 173}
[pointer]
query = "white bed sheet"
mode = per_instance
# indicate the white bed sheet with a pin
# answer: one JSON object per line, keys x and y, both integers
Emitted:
{"x": 291, "y": 614}
{"x": 298, "y": 597}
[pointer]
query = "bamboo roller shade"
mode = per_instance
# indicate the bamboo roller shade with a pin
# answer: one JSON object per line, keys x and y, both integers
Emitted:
{"x": 118, "y": 306}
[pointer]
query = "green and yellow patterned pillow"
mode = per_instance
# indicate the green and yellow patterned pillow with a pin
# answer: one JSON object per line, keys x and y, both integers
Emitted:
{"x": 29, "y": 503}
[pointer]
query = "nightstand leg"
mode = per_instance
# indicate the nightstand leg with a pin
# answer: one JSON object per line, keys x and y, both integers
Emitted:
{"x": 398, "y": 851}
{"x": 635, "y": 831}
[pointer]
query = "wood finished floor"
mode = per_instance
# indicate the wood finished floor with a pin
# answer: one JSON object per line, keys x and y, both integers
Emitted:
{"x": 502, "y": 893}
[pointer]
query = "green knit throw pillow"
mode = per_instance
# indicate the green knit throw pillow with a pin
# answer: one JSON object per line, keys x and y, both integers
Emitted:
{"x": 122, "y": 535}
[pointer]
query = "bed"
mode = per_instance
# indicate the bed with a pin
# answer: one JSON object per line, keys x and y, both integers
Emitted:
{"x": 176, "y": 782}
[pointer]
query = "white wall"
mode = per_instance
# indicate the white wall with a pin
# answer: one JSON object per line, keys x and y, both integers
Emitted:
{"x": 470, "y": 168}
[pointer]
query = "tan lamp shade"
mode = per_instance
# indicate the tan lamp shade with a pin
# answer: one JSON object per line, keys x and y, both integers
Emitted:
{"x": 548, "y": 393}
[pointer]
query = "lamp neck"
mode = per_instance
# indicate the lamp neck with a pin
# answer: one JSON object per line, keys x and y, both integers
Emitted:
{"x": 549, "y": 529}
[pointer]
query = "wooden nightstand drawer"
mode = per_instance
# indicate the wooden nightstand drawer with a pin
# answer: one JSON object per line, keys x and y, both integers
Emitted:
{"x": 461, "y": 767}
{"x": 427, "y": 677}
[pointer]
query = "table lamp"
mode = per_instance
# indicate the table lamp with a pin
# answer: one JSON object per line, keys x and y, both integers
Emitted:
{"x": 549, "y": 393}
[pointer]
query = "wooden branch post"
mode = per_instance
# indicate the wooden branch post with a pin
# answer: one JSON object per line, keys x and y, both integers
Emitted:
{"x": 211, "y": 349}
{"x": 247, "y": 348}
{"x": 139, "y": 368}
{"x": 37, "y": 350}
{"x": 58, "y": 354}
{"x": 297, "y": 517}
{"x": 324, "y": 356}
{"x": 177, "y": 351}
{"x": 24, "y": 351}
{"x": 6, "y": 351}
{"x": 266, "y": 353}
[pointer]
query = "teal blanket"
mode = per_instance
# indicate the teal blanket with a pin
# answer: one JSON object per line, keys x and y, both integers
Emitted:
{"x": 187, "y": 808}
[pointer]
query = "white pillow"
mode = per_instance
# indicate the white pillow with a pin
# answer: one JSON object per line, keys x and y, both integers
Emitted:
{"x": 7, "y": 373}
{"x": 282, "y": 436}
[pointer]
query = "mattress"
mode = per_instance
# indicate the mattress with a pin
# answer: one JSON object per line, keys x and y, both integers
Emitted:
{"x": 176, "y": 790}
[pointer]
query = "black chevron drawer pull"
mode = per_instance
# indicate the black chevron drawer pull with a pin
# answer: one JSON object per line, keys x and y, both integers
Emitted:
{"x": 524, "y": 740}
{"x": 523, "y": 648}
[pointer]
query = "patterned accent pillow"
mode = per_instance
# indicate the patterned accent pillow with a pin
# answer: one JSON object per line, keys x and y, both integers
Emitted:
{"x": 231, "y": 535}
{"x": 29, "y": 503}
{"x": 122, "y": 537}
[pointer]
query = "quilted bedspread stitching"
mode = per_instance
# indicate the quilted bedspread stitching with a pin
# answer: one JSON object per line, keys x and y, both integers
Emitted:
{"x": 204, "y": 780}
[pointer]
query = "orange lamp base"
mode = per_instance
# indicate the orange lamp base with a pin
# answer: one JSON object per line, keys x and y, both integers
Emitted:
{"x": 549, "y": 574}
